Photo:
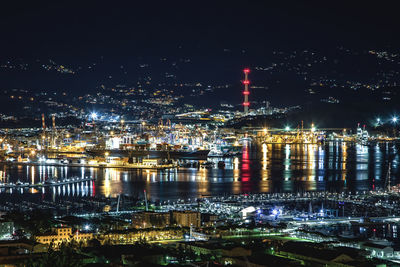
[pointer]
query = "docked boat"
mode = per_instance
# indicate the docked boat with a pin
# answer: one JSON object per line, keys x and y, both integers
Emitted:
{"x": 362, "y": 137}
{"x": 221, "y": 164}
{"x": 207, "y": 165}
{"x": 216, "y": 154}
{"x": 173, "y": 154}
{"x": 232, "y": 154}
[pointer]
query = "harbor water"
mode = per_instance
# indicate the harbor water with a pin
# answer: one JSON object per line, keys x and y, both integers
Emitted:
{"x": 334, "y": 167}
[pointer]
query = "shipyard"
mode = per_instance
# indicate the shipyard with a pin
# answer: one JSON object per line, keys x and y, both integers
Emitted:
{"x": 146, "y": 146}
{"x": 161, "y": 133}
{"x": 195, "y": 181}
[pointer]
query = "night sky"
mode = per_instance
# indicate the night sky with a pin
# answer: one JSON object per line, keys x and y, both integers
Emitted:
{"x": 124, "y": 28}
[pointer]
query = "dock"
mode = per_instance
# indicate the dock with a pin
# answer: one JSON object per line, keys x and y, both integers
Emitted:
{"x": 98, "y": 165}
{"x": 46, "y": 184}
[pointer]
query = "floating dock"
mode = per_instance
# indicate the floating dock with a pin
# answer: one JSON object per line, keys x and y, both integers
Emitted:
{"x": 47, "y": 183}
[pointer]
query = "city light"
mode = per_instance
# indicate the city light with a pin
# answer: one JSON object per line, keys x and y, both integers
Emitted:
{"x": 126, "y": 156}
{"x": 276, "y": 211}
{"x": 93, "y": 115}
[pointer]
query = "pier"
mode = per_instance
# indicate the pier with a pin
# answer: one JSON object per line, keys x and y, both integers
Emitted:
{"x": 98, "y": 165}
{"x": 47, "y": 183}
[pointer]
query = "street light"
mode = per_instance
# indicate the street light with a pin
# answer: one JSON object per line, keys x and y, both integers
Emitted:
{"x": 394, "y": 119}
{"x": 287, "y": 128}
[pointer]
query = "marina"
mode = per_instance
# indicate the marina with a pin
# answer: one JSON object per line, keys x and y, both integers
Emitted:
{"x": 244, "y": 134}
{"x": 260, "y": 168}
{"x": 47, "y": 183}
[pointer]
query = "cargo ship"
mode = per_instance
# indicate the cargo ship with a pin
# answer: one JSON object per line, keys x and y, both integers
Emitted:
{"x": 129, "y": 146}
{"x": 200, "y": 154}
{"x": 362, "y": 137}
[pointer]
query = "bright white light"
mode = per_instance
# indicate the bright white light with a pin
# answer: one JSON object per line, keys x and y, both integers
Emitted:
{"x": 287, "y": 128}
{"x": 274, "y": 211}
{"x": 93, "y": 115}
{"x": 378, "y": 120}
{"x": 394, "y": 119}
{"x": 86, "y": 227}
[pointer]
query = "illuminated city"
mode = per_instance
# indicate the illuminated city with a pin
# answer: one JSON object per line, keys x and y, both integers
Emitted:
{"x": 160, "y": 134}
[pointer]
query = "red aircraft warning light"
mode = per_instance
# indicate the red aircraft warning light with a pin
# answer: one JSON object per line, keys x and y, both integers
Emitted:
{"x": 246, "y": 92}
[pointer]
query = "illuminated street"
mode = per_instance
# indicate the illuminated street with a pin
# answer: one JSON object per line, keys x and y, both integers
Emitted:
{"x": 166, "y": 133}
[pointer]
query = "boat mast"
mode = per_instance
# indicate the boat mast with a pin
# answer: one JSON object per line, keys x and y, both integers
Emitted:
{"x": 145, "y": 199}
{"x": 388, "y": 177}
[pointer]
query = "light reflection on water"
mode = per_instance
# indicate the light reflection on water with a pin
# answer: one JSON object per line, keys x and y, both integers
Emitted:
{"x": 265, "y": 168}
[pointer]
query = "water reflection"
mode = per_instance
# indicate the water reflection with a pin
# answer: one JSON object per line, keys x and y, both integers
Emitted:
{"x": 264, "y": 168}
